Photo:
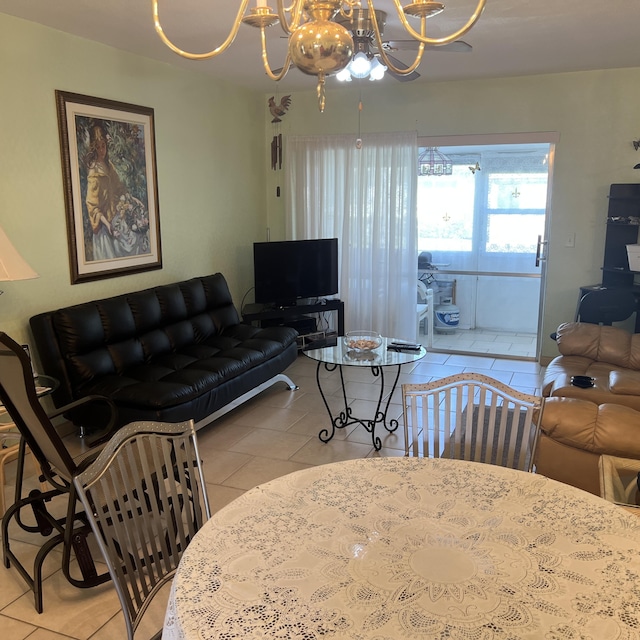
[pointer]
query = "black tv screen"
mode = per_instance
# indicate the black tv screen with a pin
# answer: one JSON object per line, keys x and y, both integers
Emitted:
{"x": 291, "y": 269}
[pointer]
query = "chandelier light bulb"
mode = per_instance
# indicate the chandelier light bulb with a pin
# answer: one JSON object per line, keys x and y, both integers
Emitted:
{"x": 360, "y": 66}
{"x": 377, "y": 70}
{"x": 344, "y": 75}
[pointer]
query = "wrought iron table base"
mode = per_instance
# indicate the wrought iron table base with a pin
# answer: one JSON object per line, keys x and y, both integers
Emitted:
{"x": 346, "y": 418}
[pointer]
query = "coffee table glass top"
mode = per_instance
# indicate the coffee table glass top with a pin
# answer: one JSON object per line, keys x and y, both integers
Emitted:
{"x": 45, "y": 384}
{"x": 340, "y": 354}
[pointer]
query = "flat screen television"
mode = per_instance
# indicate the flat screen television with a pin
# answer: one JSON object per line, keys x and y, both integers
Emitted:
{"x": 291, "y": 269}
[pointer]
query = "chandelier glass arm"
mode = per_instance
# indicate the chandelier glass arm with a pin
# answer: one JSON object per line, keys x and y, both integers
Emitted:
{"x": 199, "y": 56}
{"x": 435, "y": 41}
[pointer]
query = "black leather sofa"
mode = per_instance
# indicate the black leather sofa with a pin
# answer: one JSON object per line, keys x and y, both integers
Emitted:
{"x": 170, "y": 353}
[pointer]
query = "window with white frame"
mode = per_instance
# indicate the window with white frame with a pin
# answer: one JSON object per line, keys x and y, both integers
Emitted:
{"x": 488, "y": 213}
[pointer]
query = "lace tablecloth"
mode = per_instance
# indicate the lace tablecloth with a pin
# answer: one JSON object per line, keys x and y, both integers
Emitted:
{"x": 411, "y": 548}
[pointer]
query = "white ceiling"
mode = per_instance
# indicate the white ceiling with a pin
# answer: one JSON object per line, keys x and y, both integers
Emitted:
{"x": 512, "y": 37}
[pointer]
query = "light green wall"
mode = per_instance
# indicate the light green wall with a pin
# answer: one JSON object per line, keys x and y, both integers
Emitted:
{"x": 594, "y": 112}
{"x": 210, "y": 161}
{"x": 212, "y": 152}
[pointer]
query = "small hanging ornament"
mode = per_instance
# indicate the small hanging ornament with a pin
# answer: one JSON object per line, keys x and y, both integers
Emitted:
{"x": 279, "y": 110}
{"x": 276, "y": 152}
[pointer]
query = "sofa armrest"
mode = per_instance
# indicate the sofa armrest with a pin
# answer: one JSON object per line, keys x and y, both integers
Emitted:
{"x": 607, "y": 428}
{"x": 560, "y": 370}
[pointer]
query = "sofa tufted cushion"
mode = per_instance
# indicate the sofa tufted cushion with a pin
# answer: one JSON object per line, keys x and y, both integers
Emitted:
{"x": 604, "y": 344}
{"x": 607, "y": 428}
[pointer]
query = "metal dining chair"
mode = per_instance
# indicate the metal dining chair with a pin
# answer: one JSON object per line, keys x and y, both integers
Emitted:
{"x": 470, "y": 416}
{"x": 32, "y": 513}
{"x": 145, "y": 498}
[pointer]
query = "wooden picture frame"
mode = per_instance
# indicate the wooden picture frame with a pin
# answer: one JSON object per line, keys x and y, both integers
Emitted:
{"x": 110, "y": 187}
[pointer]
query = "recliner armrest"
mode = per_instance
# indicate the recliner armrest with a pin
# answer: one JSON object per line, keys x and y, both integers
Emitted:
{"x": 625, "y": 382}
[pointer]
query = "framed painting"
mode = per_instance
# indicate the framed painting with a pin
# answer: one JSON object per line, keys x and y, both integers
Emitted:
{"x": 110, "y": 187}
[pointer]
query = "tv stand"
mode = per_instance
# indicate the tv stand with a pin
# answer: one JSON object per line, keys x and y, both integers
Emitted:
{"x": 261, "y": 312}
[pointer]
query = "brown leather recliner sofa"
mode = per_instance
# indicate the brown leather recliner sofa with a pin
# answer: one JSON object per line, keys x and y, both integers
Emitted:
{"x": 579, "y": 425}
{"x": 611, "y": 356}
{"x": 575, "y": 433}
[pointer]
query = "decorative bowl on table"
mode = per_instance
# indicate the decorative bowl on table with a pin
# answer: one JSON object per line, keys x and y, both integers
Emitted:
{"x": 362, "y": 341}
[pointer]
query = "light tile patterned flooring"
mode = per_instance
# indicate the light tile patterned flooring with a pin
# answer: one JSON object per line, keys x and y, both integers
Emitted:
{"x": 483, "y": 341}
{"x": 274, "y": 434}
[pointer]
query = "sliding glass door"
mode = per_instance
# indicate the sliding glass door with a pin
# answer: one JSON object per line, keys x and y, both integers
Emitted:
{"x": 480, "y": 228}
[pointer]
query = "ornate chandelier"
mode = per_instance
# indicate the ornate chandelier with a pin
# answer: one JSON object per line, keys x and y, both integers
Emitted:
{"x": 432, "y": 162}
{"x": 319, "y": 45}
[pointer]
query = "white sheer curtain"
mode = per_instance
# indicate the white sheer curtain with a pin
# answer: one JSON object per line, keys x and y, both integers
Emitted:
{"x": 367, "y": 199}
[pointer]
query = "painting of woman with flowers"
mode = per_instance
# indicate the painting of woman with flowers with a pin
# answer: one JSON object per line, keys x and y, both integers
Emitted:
{"x": 111, "y": 187}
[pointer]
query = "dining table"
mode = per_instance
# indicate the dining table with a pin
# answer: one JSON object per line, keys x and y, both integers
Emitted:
{"x": 387, "y": 548}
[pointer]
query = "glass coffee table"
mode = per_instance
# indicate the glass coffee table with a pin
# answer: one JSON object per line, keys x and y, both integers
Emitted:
{"x": 339, "y": 356}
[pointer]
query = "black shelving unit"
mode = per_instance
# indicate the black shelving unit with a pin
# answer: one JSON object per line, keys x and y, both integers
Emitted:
{"x": 622, "y": 229}
{"x": 623, "y": 220}
{"x": 288, "y": 316}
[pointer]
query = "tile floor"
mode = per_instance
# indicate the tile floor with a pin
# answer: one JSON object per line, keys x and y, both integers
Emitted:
{"x": 274, "y": 434}
{"x": 495, "y": 343}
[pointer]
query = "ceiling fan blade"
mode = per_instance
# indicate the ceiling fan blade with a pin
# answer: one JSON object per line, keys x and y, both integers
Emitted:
{"x": 414, "y": 75}
{"x": 458, "y": 46}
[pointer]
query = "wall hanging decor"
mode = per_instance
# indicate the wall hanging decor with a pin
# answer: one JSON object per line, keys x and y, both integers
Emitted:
{"x": 278, "y": 111}
{"x": 110, "y": 186}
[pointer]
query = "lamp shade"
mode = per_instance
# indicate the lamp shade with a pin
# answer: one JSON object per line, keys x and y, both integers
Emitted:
{"x": 432, "y": 162}
{"x": 12, "y": 264}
